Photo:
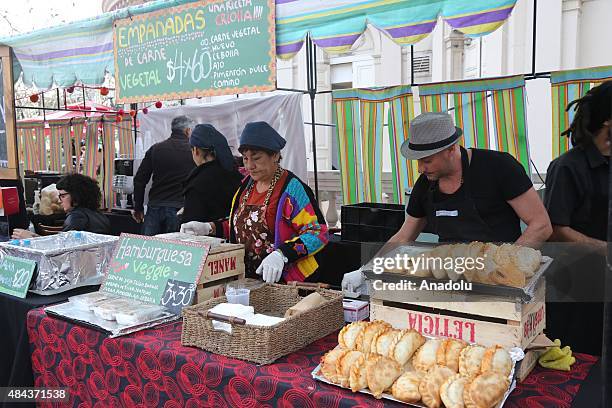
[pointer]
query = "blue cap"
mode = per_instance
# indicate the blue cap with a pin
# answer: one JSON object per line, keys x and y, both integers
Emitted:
{"x": 205, "y": 136}
{"x": 262, "y": 135}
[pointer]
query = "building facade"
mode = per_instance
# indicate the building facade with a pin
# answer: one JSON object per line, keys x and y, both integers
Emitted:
{"x": 569, "y": 34}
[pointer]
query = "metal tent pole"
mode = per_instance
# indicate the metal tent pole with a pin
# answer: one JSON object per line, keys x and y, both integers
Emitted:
{"x": 606, "y": 346}
{"x": 533, "y": 41}
{"x": 311, "y": 78}
{"x": 412, "y": 65}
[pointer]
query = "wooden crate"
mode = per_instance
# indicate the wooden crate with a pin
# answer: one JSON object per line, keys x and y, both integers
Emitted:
{"x": 507, "y": 323}
{"x": 528, "y": 363}
{"x": 223, "y": 261}
{"x": 214, "y": 289}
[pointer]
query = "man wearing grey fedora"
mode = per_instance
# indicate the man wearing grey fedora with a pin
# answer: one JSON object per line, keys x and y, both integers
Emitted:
{"x": 465, "y": 195}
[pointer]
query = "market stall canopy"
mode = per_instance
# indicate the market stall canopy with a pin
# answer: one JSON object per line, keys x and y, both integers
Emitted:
{"x": 335, "y": 25}
{"x": 83, "y": 51}
{"x": 73, "y": 111}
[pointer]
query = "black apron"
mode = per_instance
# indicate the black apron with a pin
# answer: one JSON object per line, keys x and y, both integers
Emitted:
{"x": 456, "y": 219}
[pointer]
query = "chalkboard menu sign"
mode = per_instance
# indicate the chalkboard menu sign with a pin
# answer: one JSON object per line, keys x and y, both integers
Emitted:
{"x": 197, "y": 49}
{"x": 15, "y": 275}
{"x": 156, "y": 270}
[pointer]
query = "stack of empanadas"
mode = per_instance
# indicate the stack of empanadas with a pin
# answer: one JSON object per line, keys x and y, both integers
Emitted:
{"x": 380, "y": 338}
{"x": 508, "y": 264}
{"x": 438, "y": 372}
{"x": 355, "y": 370}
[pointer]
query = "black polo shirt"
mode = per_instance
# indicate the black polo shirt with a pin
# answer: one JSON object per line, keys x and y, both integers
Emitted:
{"x": 577, "y": 191}
{"x": 494, "y": 178}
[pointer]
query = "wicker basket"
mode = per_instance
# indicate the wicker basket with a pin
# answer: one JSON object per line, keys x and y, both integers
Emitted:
{"x": 261, "y": 344}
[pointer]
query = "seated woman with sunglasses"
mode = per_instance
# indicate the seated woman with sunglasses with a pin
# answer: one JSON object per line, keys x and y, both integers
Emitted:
{"x": 80, "y": 197}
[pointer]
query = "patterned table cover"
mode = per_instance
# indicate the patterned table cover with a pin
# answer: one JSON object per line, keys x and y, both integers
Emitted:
{"x": 152, "y": 369}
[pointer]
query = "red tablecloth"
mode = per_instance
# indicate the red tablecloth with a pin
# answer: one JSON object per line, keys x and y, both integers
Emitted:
{"x": 152, "y": 369}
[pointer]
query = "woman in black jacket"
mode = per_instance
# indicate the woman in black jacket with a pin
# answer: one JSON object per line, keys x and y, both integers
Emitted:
{"x": 80, "y": 197}
{"x": 212, "y": 184}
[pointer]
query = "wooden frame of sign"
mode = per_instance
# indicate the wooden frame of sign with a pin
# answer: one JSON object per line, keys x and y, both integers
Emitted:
{"x": 10, "y": 169}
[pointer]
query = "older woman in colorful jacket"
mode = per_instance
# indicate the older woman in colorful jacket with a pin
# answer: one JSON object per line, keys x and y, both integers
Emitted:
{"x": 274, "y": 214}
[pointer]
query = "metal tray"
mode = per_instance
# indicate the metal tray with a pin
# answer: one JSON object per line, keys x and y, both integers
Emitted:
{"x": 524, "y": 294}
{"x": 516, "y": 354}
{"x": 66, "y": 311}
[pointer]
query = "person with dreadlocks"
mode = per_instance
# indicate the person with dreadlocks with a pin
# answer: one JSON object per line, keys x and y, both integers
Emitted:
{"x": 576, "y": 198}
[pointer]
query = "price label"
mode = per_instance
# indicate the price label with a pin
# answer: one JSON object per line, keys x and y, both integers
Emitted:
{"x": 15, "y": 275}
{"x": 177, "y": 295}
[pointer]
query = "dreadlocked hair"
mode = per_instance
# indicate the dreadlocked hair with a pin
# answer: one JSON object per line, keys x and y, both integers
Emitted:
{"x": 592, "y": 110}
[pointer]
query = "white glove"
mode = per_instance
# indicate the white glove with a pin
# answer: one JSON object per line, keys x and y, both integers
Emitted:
{"x": 272, "y": 266}
{"x": 352, "y": 283}
{"x": 196, "y": 228}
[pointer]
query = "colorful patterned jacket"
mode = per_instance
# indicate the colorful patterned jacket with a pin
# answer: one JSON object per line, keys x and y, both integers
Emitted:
{"x": 300, "y": 230}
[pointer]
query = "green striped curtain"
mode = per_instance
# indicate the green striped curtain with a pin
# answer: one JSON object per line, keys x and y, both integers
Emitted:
{"x": 372, "y": 116}
{"x": 25, "y": 153}
{"x": 433, "y": 102}
{"x": 40, "y": 147}
{"x": 77, "y": 137}
{"x": 64, "y": 134}
{"x": 359, "y": 118}
{"x": 55, "y": 148}
{"x": 511, "y": 125}
{"x": 345, "y": 113}
{"x": 108, "y": 132}
{"x": 404, "y": 172}
{"x": 92, "y": 141}
{"x": 472, "y": 114}
{"x": 126, "y": 138}
{"x": 32, "y": 140}
{"x": 565, "y": 87}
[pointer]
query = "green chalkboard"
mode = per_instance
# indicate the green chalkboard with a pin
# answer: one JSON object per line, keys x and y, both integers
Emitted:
{"x": 142, "y": 267}
{"x": 15, "y": 275}
{"x": 198, "y": 49}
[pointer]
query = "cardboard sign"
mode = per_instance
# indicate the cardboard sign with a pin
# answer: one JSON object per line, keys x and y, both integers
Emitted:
{"x": 202, "y": 48}
{"x": 15, "y": 275}
{"x": 155, "y": 270}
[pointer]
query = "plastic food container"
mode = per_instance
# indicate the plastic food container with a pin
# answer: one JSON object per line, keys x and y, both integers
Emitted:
{"x": 140, "y": 315}
{"x": 87, "y": 301}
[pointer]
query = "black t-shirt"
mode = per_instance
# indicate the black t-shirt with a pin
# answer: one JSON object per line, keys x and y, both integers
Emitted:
{"x": 577, "y": 184}
{"x": 494, "y": 178}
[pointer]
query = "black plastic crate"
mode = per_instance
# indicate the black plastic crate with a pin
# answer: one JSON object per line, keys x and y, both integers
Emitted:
{"x": 371, "y": 222}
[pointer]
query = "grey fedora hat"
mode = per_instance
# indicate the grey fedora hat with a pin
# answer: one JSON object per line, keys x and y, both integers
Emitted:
{"x": 430, "y": 133}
